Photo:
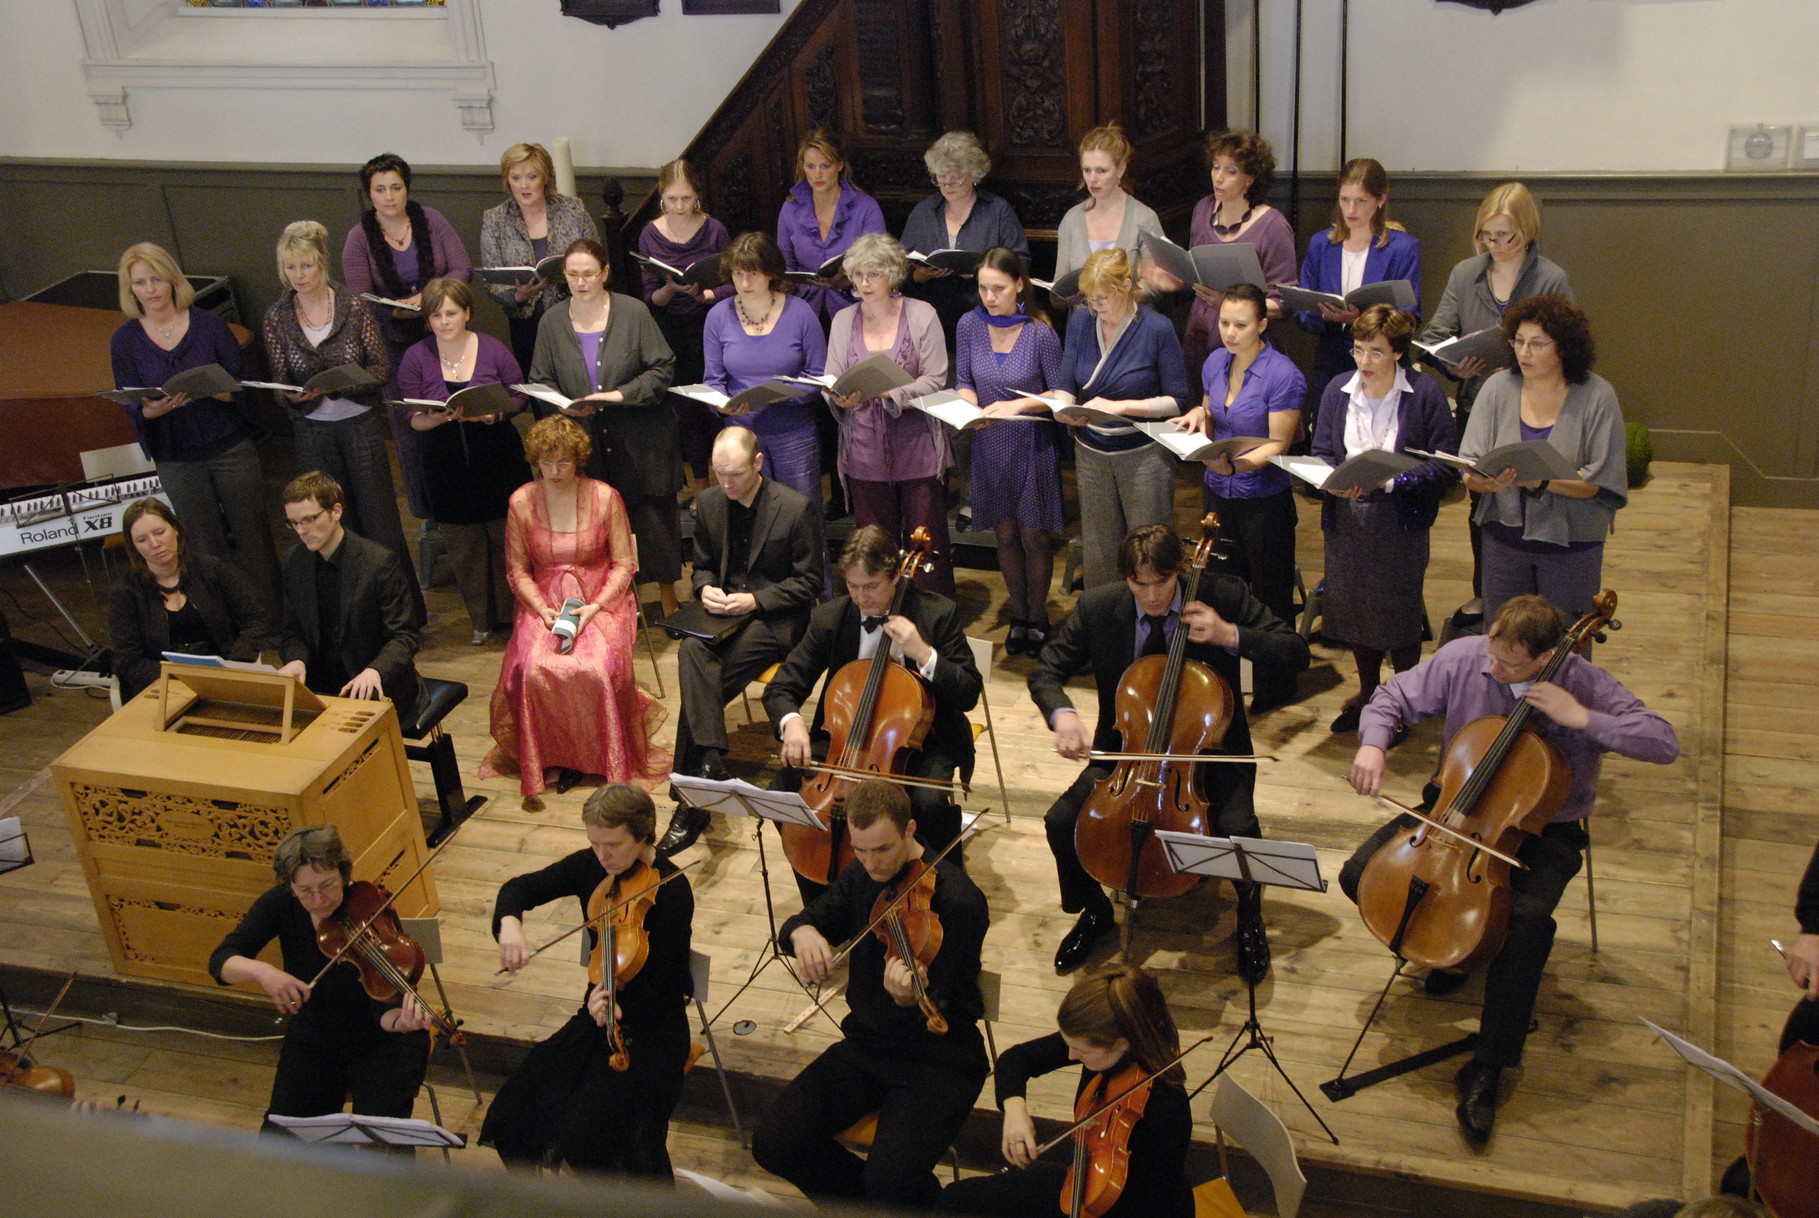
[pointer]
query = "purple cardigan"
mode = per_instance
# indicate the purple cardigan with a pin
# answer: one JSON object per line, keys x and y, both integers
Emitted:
{"x": 1457, "y": 682}
{"x": 420, "y": 371}
{"x": 799, "y": 237}
{"x": 1423, "y": 421}
{"x": 206, "y": 427}
{"x": 448, "y": 260}
{"x": 882, "y": 439}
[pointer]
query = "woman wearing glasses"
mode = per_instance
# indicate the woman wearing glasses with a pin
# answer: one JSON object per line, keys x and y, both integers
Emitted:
{"x": 958, "y": 216}
{"x": 604, "y": 350}
{"x": 1376, "y": 541}
{"x": 1547, "y": 537}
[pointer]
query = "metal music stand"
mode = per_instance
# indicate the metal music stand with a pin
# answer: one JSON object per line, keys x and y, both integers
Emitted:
{"x": 1252, "y": 860}
{"x": 359, "y": 1129}
{"x": 16, "y": 852}
{"x": 736, "y": 797}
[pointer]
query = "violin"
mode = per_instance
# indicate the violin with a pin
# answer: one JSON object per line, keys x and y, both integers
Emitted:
{"x": 877, "y": 714}
{"x": 1179, "y": 708}
{"x": 1783, "y": 1158}
{"x": 364, "y": 932}
{"x": 905, "y": 922}
{"x": 1442, "y": 900}
{"x": 1102, "y": 1142}
{"x": 616, "y": 910}
{"x": 21, "y": 1072}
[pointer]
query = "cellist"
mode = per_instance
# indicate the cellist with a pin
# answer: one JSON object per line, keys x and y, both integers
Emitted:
{"x": 1585, "y": 713}
{"x": 1113, "y": 1018}
{"x": 567, "y": 1103}
{"x": 920, "y": 1082}
{"x": 338, "y": 1040}
{"x": 925, "y": 634}
{"x": 1112, "y": 626}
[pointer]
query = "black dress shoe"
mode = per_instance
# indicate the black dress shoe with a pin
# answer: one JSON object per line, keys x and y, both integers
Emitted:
{"x": 684, "y": 827}
{"x": 1035, "y": 638}
{"x": 1253, "y": 940}
{"x": 566, "y": 780}
{"x": 1077, "y": 944}
{"x": 1348, "y": 718}
{"x": 1477, "y": 1111}
{"x": 1441, "y": 982}
{"x": 712, "y": 768}
{"x": 1016, "y": 643}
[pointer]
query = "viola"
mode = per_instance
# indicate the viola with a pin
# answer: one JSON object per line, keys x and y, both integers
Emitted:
{"x": 1784, "y": 1158}
{"x": 1102, "y": 1142}
{"x": 1179, "y": 708}
{"x": 904, "y": 920}
{"x": 17, "y": 1071}
{"x": 616, "y": 910}
{"x": 1442, "y": 900}
{"x": 365, "y": 933}
{"x": 877, "y": 714}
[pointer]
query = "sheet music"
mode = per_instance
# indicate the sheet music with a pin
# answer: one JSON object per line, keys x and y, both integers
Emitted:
{"x": 1284, "y": 864}
{"x": 1724, "y": 1072}
{"x": 737, "y": 797}
{"x": 358, "y": 1129}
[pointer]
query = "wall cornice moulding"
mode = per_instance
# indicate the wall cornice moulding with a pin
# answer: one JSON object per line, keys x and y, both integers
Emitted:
{"x": 165, "y": 44}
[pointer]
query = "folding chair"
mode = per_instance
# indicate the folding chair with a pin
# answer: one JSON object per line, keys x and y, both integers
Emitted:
{"x": 1262, "y": 1134}
{"x": 428, "y": 934}
{"x": 644, "y": 624}
{"x": 698, "y": 966}
{"x": 982, "y": 660}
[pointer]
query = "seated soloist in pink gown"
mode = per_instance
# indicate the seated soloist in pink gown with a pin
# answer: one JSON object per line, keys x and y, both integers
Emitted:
{"x": 583, "y": 711}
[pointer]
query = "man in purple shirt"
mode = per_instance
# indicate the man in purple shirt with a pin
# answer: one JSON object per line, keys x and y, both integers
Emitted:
{"x": 1585, "y": 713}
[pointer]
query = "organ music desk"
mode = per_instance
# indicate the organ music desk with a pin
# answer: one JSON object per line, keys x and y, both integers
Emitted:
{"x": 178, "y": 800}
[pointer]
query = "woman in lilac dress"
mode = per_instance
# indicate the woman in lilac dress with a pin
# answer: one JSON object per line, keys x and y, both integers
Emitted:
{"x": 681, "y": 236}
{"x": 763, "y": 332}
{"x": 1243, "y": 166}
{"x": 892, "y": 458}
{"x": 821, "y": 218}
{"x": 471, "y": 464}
{"x": 1004, "y": 345}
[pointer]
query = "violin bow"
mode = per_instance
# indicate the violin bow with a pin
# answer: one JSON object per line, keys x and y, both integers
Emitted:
{"x": 902, "y": 780}
{"x": 1212, "y": 758}
{"x": 354, "y": 936}
{"x": 1473, "y": 842}
{"x": 895, "y": 901}
{"x": 20, "y": 1052}
{"x": 601, "y": 916}
{"x": 1096, "y": 1113}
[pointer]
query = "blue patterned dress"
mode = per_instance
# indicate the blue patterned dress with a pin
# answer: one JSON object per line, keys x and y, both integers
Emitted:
{"x": 1016, "y": 465}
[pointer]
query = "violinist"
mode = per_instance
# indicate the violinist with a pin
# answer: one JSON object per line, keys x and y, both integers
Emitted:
{"x": 339, "y": 1041}
{"x": 1112, "y": 1019}
{"x": 924, "y": 632}
{"x": 1585, "y": 713}
{"x": 568, "y": 1102}
{"x": 920, "y": 1083}
{"x": 1112, "y": 626}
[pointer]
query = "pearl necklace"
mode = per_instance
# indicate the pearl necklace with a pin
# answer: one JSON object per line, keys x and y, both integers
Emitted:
{"x": 452, "y": 365}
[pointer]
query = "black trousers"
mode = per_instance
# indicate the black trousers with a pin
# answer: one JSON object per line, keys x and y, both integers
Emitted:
{"x": 712, "y": 675}
{"x": 1080, "y": 891}
{"x": 322, "y": 1061}
{"x": 920, "y": 1108}
{"x": 1259, "y": 534}
{"x": 1513, "y": 979}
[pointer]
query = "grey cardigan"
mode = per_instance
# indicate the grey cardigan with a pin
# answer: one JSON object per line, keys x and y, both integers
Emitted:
{"x": 1589, "y": 431}
{"x": 635, "y": 446}
{"x": 1467, "y": 305}
{"x": 1071, "y": 247}
{"x": 505, "y": 241}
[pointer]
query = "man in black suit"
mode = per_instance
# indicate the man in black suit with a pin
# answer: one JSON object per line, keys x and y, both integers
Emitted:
{"x": 350, "y": 625}
{"x": 757, "y": 556}
{"x": 925, "y": 634}
{"x": 1113, "y": 626}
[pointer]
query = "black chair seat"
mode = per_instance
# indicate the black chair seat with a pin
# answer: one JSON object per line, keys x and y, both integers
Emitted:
{"x": 439, "y": 698}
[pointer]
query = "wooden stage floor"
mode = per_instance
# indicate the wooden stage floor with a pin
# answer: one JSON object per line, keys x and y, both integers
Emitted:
{"x": 1600, "y": 1116}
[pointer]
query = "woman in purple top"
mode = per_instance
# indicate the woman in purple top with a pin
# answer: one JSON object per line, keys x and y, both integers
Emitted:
{"x": 1252, "y": 389}
{"x": 1243, "y": 166}
{"x": 471, "y": 464}
{"x": 682, "y": 235}
{"x": 821, "y": 218}
{"x": 202, "y": 447}
{"x": 1004, "y": 345}
{"x": 892, "y": 458}
{"x": 1363, "y": 246}
{"x": 760, "y": 333}
{"x": 398, "y": 246}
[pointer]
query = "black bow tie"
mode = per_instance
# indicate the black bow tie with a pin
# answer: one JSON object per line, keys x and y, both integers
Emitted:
{"x": 871, "y": 623}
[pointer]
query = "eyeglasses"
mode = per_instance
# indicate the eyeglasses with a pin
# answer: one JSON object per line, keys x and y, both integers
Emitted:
{"x": 1499, "y": 238}
{"x": 1102, "y": 301}
{"x": 1530, "y": 344}
{"x": 949, "y": 179}
{"x": 304, "y": 522}
{"x": 867, "y": 276}
{"x": 326, "y": 888}
{"x": 1370, "y": 355}
{"x": 550, "y": 463}
{"x": 582, "y": 275}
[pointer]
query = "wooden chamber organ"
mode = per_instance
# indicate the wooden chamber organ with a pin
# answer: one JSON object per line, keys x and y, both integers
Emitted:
{"x": 177, "y": 802}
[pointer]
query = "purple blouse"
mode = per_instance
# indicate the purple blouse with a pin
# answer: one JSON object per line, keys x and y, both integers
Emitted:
{"x": 882, "y": 440}
{"x": 1272, "y": 384}
{"x": 709, "y": 239}
{"x": 206, "y": 427}
{"x": 799, "y": 237}
{"x": 736, "y": 361}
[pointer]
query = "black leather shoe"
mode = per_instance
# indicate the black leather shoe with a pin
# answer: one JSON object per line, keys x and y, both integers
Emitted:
{"x": 1253, "y": 940}
{"x": 1477, "y": 1111}
{"x": 712, "y": 768}
{"x": 566, "y": 779}
{"x": 1077, "y": 944}
{"x": 1441, "y": 982}
{"x": 684, "y": 827}
{"x": 1348, "y": 718}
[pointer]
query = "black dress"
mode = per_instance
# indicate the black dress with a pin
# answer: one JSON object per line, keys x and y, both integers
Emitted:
{"x": 1156, "y": 1184}
{"x": 471, "y": 469}
{"x": 566, "y": 1104}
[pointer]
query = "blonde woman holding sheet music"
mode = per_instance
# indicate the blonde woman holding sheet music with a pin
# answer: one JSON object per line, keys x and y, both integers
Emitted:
{"x": 1108, "y": 218}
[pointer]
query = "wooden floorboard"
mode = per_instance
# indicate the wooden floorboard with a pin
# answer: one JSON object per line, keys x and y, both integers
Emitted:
{"x": 1660, "y": 872}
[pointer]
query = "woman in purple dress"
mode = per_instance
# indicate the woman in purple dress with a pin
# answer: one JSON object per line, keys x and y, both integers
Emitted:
{"x": 1243, "y": 166}
{"x": 682, "y": 235}
{"x": 471, "y": 464}
{"x": 760, "y": 333}
{"x": 821, "y": 218}
{"x": 1004, "y": 345}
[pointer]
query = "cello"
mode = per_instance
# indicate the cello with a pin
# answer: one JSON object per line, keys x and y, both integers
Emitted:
{"x": 1784, "y": 1158}
{"x": 1179, "y": 708}
{"x": 1442, "y": 900}
{"x": 877, "y": 714}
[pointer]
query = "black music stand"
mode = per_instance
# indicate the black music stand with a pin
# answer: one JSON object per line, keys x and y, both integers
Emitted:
{"x": 1252, "y": 860}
